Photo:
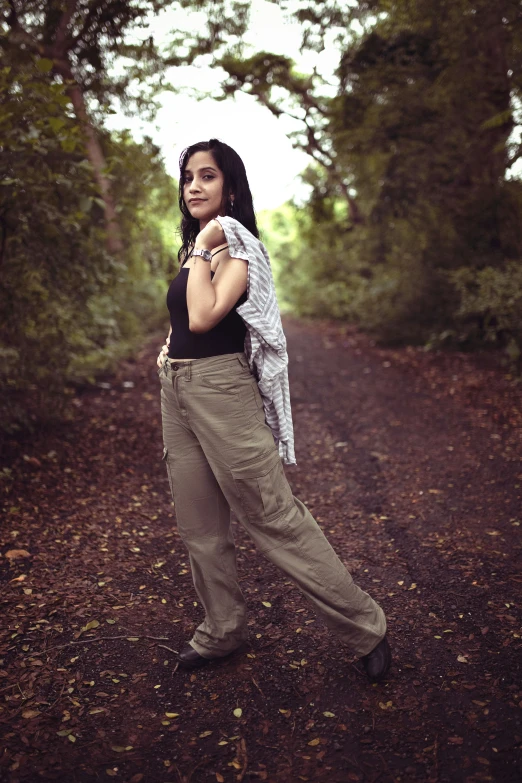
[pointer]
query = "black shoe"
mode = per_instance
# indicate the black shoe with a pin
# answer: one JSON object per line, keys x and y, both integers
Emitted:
{"x": 190, "y": 659}
{"x": 377, "y": 662}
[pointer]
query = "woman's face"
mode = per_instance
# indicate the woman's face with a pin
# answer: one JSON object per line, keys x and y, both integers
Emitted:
{"x": 203, "y": 187}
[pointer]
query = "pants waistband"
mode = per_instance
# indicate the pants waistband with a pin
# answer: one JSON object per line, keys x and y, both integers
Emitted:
{"x": 197, "y": 365}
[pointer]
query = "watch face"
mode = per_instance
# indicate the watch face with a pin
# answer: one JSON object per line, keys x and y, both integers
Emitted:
{"x": 205, "y": 254}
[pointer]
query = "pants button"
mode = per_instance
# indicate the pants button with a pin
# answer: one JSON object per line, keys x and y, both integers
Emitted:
{"x": 175, "y": 366}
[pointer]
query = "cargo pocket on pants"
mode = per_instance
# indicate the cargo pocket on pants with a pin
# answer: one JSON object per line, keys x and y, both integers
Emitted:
{"x": 263, "y": 489}
{"x": 165, "y": 459}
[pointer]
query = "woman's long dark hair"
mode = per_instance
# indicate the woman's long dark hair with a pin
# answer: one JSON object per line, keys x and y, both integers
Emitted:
{"x": 235, "y": 181}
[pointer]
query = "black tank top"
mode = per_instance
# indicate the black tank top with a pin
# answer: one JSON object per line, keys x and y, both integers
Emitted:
{"x": 227, "y": 336}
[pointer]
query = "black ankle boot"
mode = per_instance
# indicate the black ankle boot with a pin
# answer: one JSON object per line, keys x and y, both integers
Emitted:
{"x": 191, "y": 659}
{"x": 377, "y": 662}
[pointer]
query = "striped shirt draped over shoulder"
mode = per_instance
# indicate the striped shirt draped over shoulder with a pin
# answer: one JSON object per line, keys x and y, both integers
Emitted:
{"x": 265, "y": 341}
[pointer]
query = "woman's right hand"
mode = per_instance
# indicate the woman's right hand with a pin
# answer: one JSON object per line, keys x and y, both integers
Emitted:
{"x": 160, "y": 361}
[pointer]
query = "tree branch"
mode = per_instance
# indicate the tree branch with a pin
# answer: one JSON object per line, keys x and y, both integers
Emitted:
{"x": 3, "y": 224}
{"x": 515, "y": 156}
{"x": 93, "y": 10}
{"x": 301, "y": 90}
{"x": 60, "y": 41}
{"x": 20, "y": 36}
{"x": 102, "y": 638}
{"x": 12, "y": 19}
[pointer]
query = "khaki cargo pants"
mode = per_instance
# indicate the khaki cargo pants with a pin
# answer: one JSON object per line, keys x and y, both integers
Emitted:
{"x": 221, "y": 455}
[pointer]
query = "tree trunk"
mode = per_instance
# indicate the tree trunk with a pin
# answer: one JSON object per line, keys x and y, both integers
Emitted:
{"x": 492, "y": 84}
{"x": 96, "y": 157}
{"x": 355, "y": 213}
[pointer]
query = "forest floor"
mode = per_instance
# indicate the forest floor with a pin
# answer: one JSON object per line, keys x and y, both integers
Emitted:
{"x": 409, "y": 460}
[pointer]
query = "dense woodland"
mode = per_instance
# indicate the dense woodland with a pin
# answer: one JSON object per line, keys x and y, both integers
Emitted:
{"x": 413, "y": 229}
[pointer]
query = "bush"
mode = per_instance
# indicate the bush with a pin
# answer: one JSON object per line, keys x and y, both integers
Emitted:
{"x": 490, "y": 309}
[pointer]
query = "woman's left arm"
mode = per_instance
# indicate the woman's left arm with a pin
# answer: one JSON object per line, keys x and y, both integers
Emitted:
{"x": 208, "y": 301}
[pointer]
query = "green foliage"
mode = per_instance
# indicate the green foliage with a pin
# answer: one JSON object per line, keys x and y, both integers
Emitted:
{"x": 68, "y": 307}
{"x": 323, "y": 268}
{"x": 135, "y": 303}
{"x": 93, "y": 32}
{"x": 490, "y": 309}
{"x": 279, "y": 231}
{"x": 410, "y": 196}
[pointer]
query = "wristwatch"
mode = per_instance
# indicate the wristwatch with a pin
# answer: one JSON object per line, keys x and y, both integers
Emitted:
{"x": 206, "y": 255}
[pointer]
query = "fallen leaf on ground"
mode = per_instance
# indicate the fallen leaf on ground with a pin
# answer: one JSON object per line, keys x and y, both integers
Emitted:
{"x": 14, "y": 554}
{"x": 90, "y": 625}
{"x": 30, "y": 713}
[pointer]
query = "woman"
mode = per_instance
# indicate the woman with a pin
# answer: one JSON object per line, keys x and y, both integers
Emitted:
{"x": 227, "y": 425}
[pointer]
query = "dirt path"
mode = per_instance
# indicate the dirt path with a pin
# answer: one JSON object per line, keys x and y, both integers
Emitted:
{"x": 412, "y": 464}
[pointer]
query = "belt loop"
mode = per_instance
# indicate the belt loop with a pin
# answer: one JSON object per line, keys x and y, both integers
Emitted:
{"x": 189, "y": 373}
